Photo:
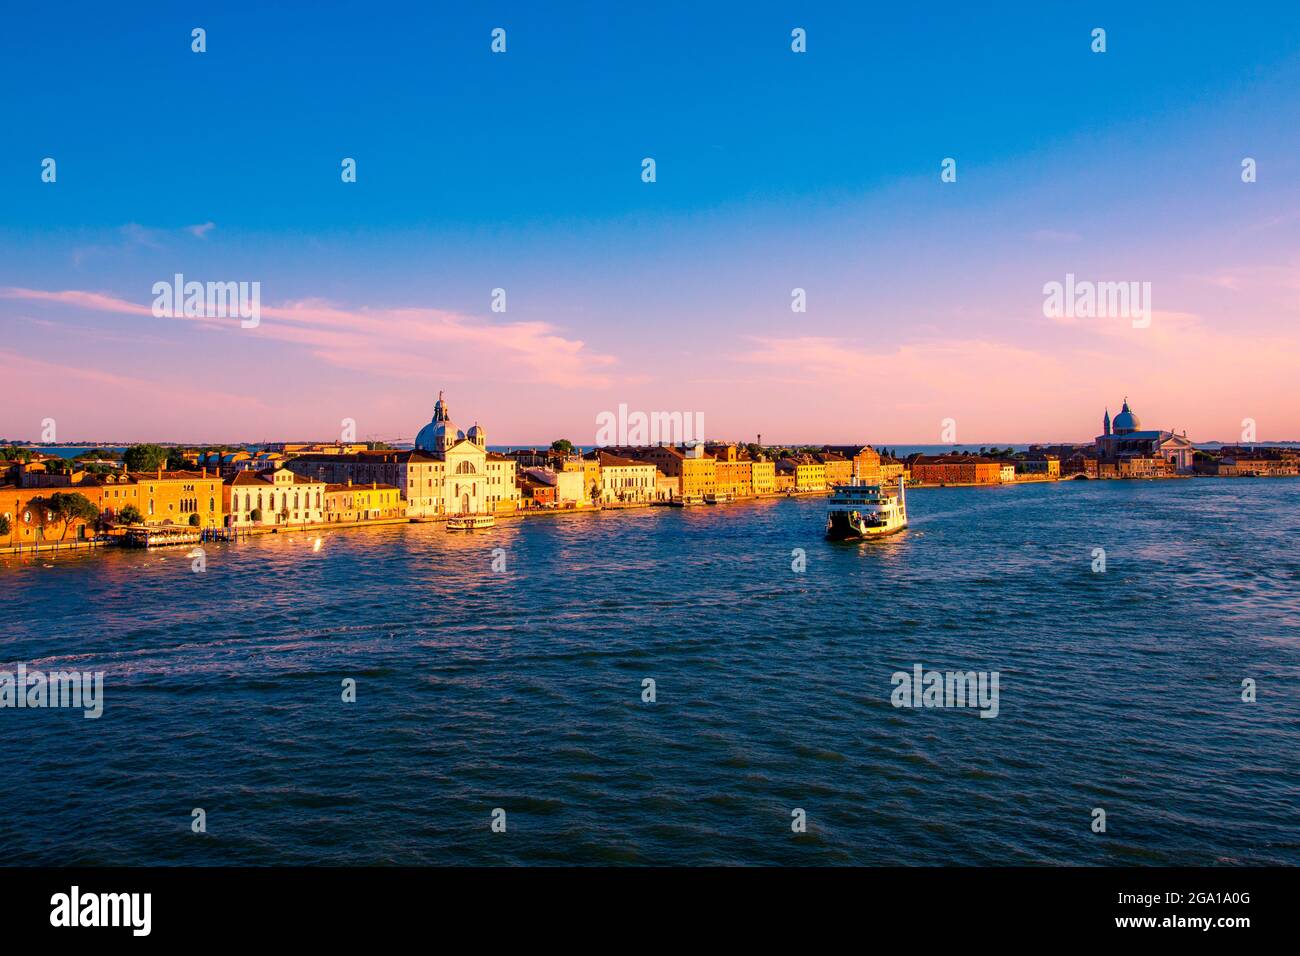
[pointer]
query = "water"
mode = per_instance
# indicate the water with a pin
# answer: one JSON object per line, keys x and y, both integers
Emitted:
{"x": 522, "y": 690}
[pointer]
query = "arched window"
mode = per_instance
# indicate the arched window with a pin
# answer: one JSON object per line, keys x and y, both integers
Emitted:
{"x": 465, "y": 468}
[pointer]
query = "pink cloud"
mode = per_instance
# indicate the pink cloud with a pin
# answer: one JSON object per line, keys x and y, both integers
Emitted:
{"x": 405, "y": 339}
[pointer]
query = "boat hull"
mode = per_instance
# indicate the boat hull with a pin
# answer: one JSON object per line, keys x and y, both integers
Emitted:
{"x": 470, "y": 522}
{"x": 840, "y": 526}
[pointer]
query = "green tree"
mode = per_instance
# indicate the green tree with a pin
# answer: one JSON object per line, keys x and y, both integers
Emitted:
{"x": 194, "y": 521}
{"x": 255, "y": 516}
{"x": 130, "y": 515}
{"x": 144, "y": 457}
{"x": 175, "y": 460}
{"x": 69, "y": 507}
{"x": 5, "y": 526}
{"x": 563, "y": 446}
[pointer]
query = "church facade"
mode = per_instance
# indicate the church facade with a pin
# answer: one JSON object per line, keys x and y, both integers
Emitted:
{"x": 448, "y": 472}
{"x": 473, "y": 479}
{"x": 1126, "y": 446}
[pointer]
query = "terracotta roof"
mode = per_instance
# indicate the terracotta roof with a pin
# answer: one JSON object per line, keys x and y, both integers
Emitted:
{"x": 614, "y": 461}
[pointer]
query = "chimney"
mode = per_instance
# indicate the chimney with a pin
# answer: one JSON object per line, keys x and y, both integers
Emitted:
{"x": 349, "y": 482}
{"x": 160, "y": 471}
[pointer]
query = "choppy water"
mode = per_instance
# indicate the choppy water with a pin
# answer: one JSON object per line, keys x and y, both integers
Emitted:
{"x": 522, "y": 690}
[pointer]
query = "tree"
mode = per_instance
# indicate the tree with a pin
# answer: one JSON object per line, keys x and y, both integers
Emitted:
{"x": 130, "y": 515}
{"x": 72, "y": 506}
{"x": 144, "y": 457}
{"x": 562, "y": 445}
{"x": 255, "y": 516}
{"x": 194, "y": 520}
{"x": 5, "y": 526}
{"x": 175, "y": 460}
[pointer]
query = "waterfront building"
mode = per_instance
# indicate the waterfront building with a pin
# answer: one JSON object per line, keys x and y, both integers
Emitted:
{"x": 892, "y": 469}
{"x": 838, "y": 468}
{"x": 782, "y": 480}
{"x": 418, "y": 476}
{"x": 1046, "y": 466}
{"x": 1238, "y": 461}
{"x": 809, "y": 473}
{"x": 626, "y": 479}
{"x": 665, "y": 487}
{"x": 762, "y": 474}
{"x": 570, "y": 488}
{"x": 535, "y": 493}
{"x": 448, "y": 472}
{"x": 32, "y": 523}
{"x": 863, "y": 459}
{"x": 178, "y": 497}
{"x": 275, "y": 497}
{"x": 115, "y": 492}
{"x": 695, "y": 471}
{"x": 1125, "y": 439}
{"x": 349, "y": 502}
{"x": 732, "y": 471}
{"x": 955, "y": 468}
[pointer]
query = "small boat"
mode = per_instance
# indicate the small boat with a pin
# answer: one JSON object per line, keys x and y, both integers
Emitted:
{"x": 721, "y": 499}
{"x": 470, "y": 522}
{"x": 865, "y": 511}
{"x": 686, "y": 501}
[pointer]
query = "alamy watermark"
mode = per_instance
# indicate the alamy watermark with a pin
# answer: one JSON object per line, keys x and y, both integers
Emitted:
{"x": 1084, "y": 299}
{"x": 208, "y": 300}
{"x": 922, "y": 688}
{"x": 648, "y": 428}
{"x": 36, "y": 689}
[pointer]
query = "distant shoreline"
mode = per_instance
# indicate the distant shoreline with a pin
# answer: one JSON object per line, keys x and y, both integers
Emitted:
{"x": 55, "y": 547}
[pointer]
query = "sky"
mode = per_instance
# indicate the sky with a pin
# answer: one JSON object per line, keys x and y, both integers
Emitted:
{"x": 775, "y": 171}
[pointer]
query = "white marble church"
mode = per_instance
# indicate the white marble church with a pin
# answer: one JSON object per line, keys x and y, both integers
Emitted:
{"x": 474, "y": 480}
{"x": 1125, "y": 438}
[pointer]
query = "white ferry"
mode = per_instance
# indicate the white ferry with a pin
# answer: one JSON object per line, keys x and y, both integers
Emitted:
{"x": 470, "y": 522}
{"x": 865, "y": 511}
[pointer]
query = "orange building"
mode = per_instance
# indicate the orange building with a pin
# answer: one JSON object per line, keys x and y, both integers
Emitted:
{"x": 31, "y": 521}
{"x": 838, "y": 469}
{"x": 733, "y": 472}
{"x": 696, "y": 472}
{"x": 955, "y": 469}
{"x": 180, "y": 497}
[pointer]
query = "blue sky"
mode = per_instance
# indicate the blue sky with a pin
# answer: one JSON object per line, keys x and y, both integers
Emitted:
{"x": 774, "y": 170}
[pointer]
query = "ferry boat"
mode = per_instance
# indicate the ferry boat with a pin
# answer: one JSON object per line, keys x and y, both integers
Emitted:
{"x": 860, "y": 510}
{"x": 717, "y": 499}
{"x": 686, "y": 501}
{"x": 470, "y": 522}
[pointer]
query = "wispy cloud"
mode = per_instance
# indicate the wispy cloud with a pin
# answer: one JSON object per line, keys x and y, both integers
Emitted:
{"x": 406, "y": 339}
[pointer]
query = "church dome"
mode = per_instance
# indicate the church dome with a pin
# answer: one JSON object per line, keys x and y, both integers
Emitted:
{"x": 440, "y": 433}
{"x": 429, "y": 436}
{"x": 1126, "y": 421}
